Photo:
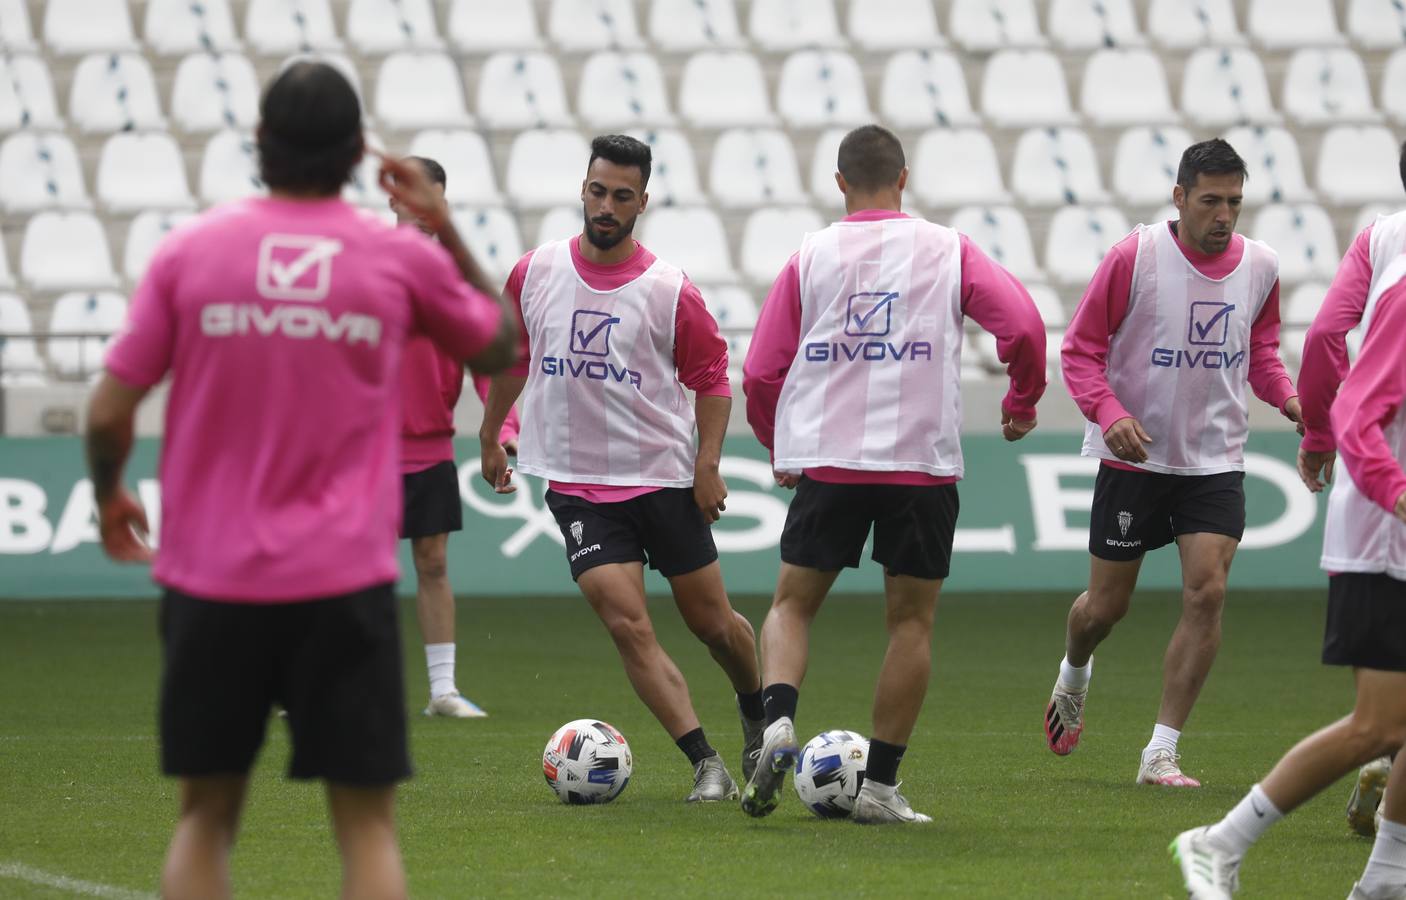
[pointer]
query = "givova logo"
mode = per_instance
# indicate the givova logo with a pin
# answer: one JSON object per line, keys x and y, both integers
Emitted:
{"x": 1208, "y": 325}
{"x": 590, "y": 336}
{"x": 868, "y": 314}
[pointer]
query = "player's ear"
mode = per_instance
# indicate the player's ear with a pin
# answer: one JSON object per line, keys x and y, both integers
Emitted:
{"x": 1179, "y": 197}
{"x": 583, "y": 190}
{"x": 841, "y": 183}
{"x": 644, "y": 201}
{"x": 903, "y": 179}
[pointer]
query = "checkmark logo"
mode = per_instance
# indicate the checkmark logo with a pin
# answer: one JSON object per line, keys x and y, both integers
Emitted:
{"x": 1210, "y": 323}
{"x": 296, "y": 266}
{"x": 587, "y": 328}
{"x": 870, "y": 313}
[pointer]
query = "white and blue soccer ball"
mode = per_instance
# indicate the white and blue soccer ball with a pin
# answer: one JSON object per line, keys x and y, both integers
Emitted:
{"x": 831, "y": 771}
{"x": 587, "y": 761}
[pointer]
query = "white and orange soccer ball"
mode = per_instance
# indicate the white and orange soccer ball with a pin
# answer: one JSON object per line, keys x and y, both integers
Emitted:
{"x": 587, "y": 761}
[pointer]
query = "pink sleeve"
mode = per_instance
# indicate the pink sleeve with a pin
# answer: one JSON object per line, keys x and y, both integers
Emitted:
{"x": 1268, "y": 379}
{"x": 513, "y": 291}
{"x": 141, "y": 353}
{"x": 999, "y": 303}
{"x": 459, "y": 319}
{"x": 700, "y": 352}
{"x": 1324, "y": 360}
{"x": 775, "y": 341}
{"x": 1370, "y": 398}
{"x": 512, "y": 425}
{"x": 1084, "y": 356}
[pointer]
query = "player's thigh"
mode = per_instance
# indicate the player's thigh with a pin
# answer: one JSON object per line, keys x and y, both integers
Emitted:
{"x": 914, "y": 527}
{"x": 1205, "y": 562}
{"x": 701, "y": 598}
{"x": 801, "y": 590}
{"x": 615, "y": 592}
{"x": 1208, "y": 518}
{"x": 1111, "y": 586}
{"x": 827, "y": 525}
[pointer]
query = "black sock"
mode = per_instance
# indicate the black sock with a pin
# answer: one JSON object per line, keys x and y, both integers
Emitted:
{"x": 780, "y": 701}
{"x": 883, "y": 761}
{"x": 751, "y": 705}
{"x": 695, "y": 746}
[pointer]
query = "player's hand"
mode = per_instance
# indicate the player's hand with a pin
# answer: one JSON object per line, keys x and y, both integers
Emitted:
{"x": 412, "y": 189}
{"x": 1316, "y": 468}
{"x": 788, "y": 480}
{"x": 510, "y": 446}
{"x": 123, "y": 527}
{"x": 493, "y": 464}
{"x": 1127, "y": 441}
{"x": 1401, "y": 507}
{"x": 1013, "y": 429}
{"x": 1294, "y": 410}
{"x": 709, "y": 491}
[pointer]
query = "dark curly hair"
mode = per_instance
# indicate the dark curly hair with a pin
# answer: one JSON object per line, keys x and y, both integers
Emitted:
{"x": 309, "y": 130}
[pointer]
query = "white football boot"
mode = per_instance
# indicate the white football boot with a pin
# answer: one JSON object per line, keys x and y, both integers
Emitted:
{"x": 1209, "y": 872}
{"x": 881, "y": 804}
{"x": 454, "y": 706}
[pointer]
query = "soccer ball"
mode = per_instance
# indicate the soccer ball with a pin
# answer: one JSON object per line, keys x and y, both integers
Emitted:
{"x": 587, "y": 761}
{"x": 830, "y": 772}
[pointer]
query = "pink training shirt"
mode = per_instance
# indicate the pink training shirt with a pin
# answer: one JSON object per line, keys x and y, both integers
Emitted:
{"x": 700, "y": 352}
{"x": 431, "y": 382}
{"x": 991, "y": 296}
{"x": 282, "y": 324}
{"x": 1370, "y": 399}
{"x": 1325, "y": 362}
{"x": 1084, "y": 356}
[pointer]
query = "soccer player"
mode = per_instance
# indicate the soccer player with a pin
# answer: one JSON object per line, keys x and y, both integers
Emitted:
{"x": 853, "y": 384}
{"x": 1178, "y": 316}
{"x": 281, "y": 321}
{"x": 615, "y": 335}
{"x": 431, "y": 381}
{"x": 1364, "y": 544}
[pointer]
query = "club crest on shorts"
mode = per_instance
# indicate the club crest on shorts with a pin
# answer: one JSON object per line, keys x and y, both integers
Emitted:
{"x": 1125, "y": 521}
{"x": 578, "y": 529}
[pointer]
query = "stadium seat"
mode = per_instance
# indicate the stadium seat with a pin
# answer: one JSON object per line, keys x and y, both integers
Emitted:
{"x": 522, "y": 90}
{"x": 736, "y": 314}
{"x": 1283, "y": 24}
{"x": 1358, "y": 165}
{"x": 467, "y": 165}
{"x": 15, "y": 32}
{"x": 1145, "y": 163}
{"x": 1370, "y": 213}
{"x": 781, "y": 25}
{"x": 1291, "y": 341}
{"x": 491, "y": 26}
{"x": 673, "y": 180}
{"x": 617, "y": 89}
{"x": 1079, "y": 238}
{"x": 560, "y": 223}
{"x": 956, "y": 168}
{"x": 1126, "y": 87}
{"x": 386, "y": 26}
{"x": 1024, "y": 87}
{"x": 143, "y": 235}
{"x": 73, "y": 27}
{"x": 7, "y": 278}
{"x": 213, "y": 92}
{"x": 1091, "y": 24}
{"x": 1225, "y": 86}
{"x": 883, "y": 25}
{"x": 492, "y": 237}
{"x": 923, "y": 88}
{"x": 81, "y": 312}
{"x": 983, "y": 26}
{"x": 177, "y": 27}
{"x": 40, "y": 171}
{"x": 1206, "y": 23}
{"x": 584, "y": 25}
{"x": 1054, "y": 166}
{"x": 692, "y": 239}
{"x": 1051, "y": 309}
{"x": 1326, "y": 86}
{"x": 403, "y": 101}
{"x": 1303, "y": 237}
{"x": 1001, "y": 233}
{"x": 1303, "y": 304}
{"x": 140, "y": 171}
{"x": 723, "y": 89}
{"x": 771, "y": 235}
{"x": 1394, "y": 87}
{"x": 1377, "y": 24}
{"x": 546, "y": 167}
{"x": 1275, "y": 170}
{"x": 679, "y": 26}
{"x": 65, "y": 250}
{"x": 824, "y": 163}
{"x": 26, "y": 94}
{"x": 19, "y": 357}
{"x": 364, "y": 189}
{"x": 114, "y": 92}
{"x": 278, "y": 27}
{"x": 754, "y": 167}
{"x": 229, "y": 168}
{"x": 822, "y": 88}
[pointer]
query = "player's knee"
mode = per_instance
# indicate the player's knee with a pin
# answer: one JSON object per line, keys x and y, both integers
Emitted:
{"x": 1372, "y": 736}
{"x": 432, "y": 565}
{"x": 1103, "y": 609}
{"x": 630, "y": 633}
{"x": 714, "y": 631}
{"x": 1204, "y": 601}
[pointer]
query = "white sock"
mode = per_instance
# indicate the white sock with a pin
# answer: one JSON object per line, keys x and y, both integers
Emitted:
{"x": 1163, "y": 738}
{"x": 1244, "y": 824}
{"x": 440, "y": 659}
{"x": 1386, "y": 867}
{"x": 880, "y": 791}
{"x": 1075, "y": 677}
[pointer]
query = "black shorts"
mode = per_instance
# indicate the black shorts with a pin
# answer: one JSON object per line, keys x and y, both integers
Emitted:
{"x": 664, "y": 528}
{"x": 334, "y": 664}
{"x": 432, "y": 504}
{"x": 1134, "y": 512}
{"x": 827, "y": 525}
{"x": 1366, "y": 625}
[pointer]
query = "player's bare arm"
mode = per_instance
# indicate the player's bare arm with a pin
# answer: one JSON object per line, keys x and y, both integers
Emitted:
{"x": 493, "y": 458}
{"x": 121, "y": 519}
{"x": 1127, "y": 440}
{"x": 709, "y": 491}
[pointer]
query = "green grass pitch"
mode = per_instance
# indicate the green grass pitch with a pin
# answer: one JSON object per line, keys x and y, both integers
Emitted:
{"x": 80, "y": 795}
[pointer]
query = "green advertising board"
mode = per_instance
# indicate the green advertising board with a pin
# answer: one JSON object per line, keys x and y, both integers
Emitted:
{"x": 1023, "y": 525}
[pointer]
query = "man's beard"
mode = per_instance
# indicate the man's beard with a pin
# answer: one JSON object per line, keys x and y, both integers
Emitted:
{"x": 603, "y": 241}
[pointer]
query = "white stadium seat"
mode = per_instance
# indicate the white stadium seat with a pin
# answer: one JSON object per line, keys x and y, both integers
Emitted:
{"x": 923, "y": 88}
{"x": 84, "y": 313}
{"x": 1275, "y": 170}
{"x": 685, "y": 25}
{"x": 673, "y": 179}
{"x": 40, "y": 171}
{"x": 15, "y": 32}
{"x": 114, "y": 92}
{"x": 1126, "y": 87}
{"x": 7, "y": 278}
{"x": 577, "y": 25}
{"x": 1282, "y": 24}
{"x": 692, "y": 239}
{"x": 986, "y": 25}
{"x": 492, "y": 237}
{"x": 1377, "y": 24}
{"x": 1394, "y": 87}
{"x": 177, "y": 27}
{"x": 26, "y": 93}
{"x": 404, "y": 100}
{"x": 522, "y": 90}
{"x": 229, "y": 168}
{"x": 1358, "y": 165}
{"x": 1145, "y": 163}
{"x": 546, "y": 167}
{"x": 213, "y": 92}
{"x": 276, "y": 27}
{"x": 1323, "y": 86}
{"x": 490, "y": 26}
{"x": 1184, "y": 25}
{"x": 65, "y": 250}
{"x": 1054, "y": 166}
{"x": 824, "y": 163}
{"x": 780, "y": 25}
{"x": 1001, "y": 233}
{"x": 735, "y": 311}
{"x": 560, "y": 223}
{"x": 771, "y": 235}
{"x": 754, "y": 167}
{"x": 385, "y": 26}
{"x": 1370, "y": 213}
{"x": 73, "y": 27}
{"x": 145, "y": 233}
{"x": 617, "y": 89}
{"x": 1303, "y": 237}
{"x": 1078, "y": 240}
{"x": 1303, "y": 304}
{"x": 139, "y": 171}
{"x": 1052, "y": 311}
{"x": 467, "y": 165}
{"x": 1225, "y": 86}
{"x": 821, "y": 88}
{"x": 723, "y": 89}
{"x": 19, "y": 357}
{"x": 956, "y": 168}
{"x": 894, "y": 25}
{"x": 1091, "y": 24}
{"x": 1025, "y": 87}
